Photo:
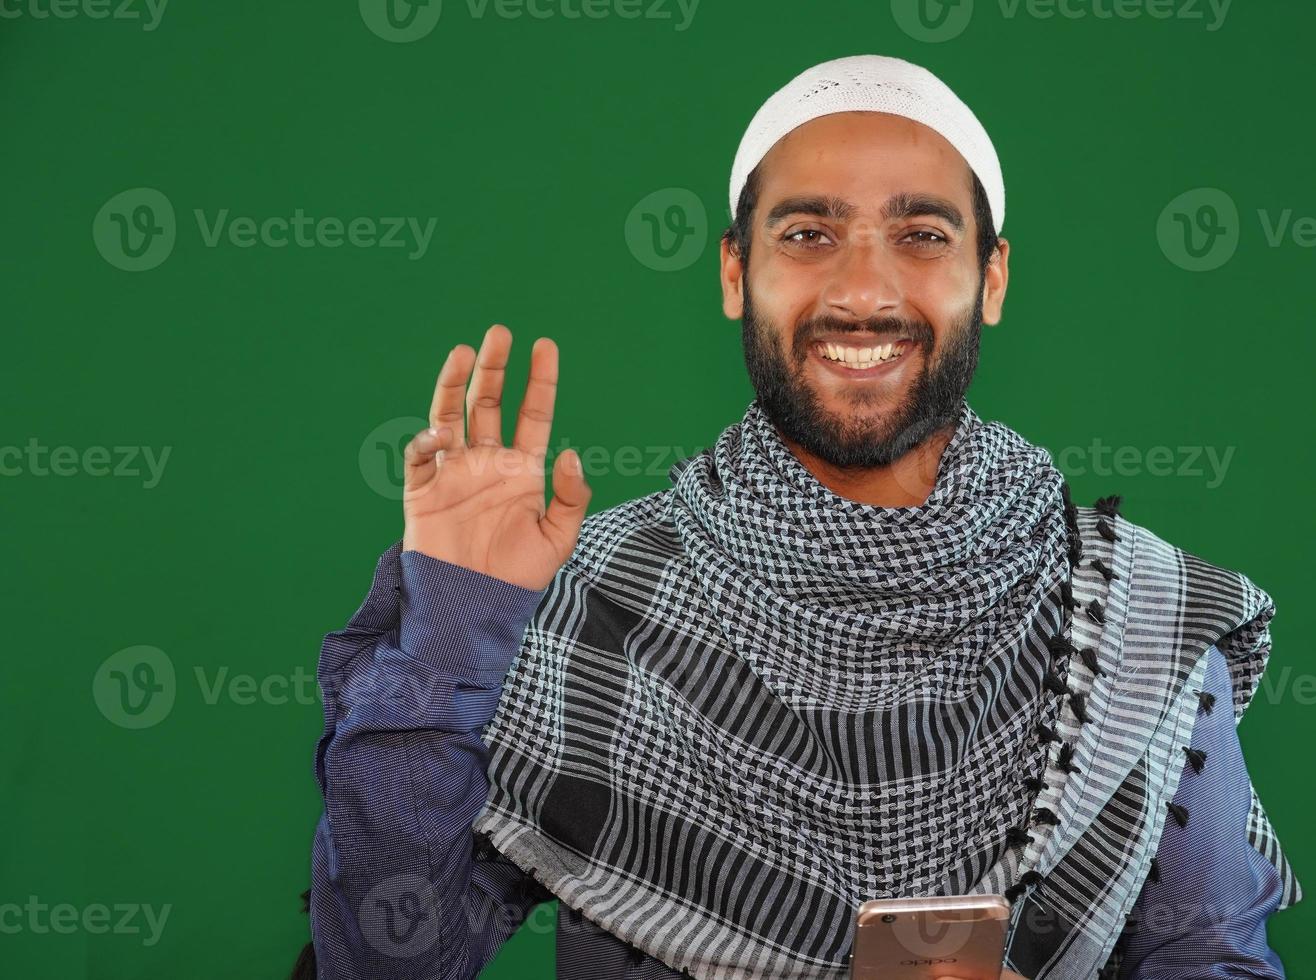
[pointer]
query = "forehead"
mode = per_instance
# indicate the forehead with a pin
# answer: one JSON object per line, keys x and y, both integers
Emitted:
{"x": 864, "y": 157}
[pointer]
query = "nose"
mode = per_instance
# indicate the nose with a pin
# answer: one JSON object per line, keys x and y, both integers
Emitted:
{"x": 863, "y": 282}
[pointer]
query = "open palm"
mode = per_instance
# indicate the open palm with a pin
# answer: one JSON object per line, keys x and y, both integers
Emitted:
{"x": 470, "y": 500}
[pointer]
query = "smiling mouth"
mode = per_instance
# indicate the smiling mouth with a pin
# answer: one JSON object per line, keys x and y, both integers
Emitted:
{"x": 855, "y": 358}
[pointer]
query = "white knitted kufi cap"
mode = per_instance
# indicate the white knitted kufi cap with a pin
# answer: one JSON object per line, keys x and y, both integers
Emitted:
{"x": 875, "y": 83}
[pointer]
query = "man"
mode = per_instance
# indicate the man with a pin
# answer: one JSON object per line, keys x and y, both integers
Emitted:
{"x": 863, "y": 647}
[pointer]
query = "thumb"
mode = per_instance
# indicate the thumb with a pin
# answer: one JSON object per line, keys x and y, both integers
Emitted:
{"x": 566, "y": 511}
{"x": 421, "y": 455}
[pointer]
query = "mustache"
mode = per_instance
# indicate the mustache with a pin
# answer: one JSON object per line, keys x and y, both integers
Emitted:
{"x": 919, "y": 331}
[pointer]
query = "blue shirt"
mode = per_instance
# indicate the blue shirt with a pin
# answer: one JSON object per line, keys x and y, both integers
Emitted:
{"x": 402, "y": 889}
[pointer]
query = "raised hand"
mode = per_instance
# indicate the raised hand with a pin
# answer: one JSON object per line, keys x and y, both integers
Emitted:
{"x": 470, "y": 500}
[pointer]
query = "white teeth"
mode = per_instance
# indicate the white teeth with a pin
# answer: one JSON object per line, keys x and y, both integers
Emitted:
{"x": 860, "y": 357}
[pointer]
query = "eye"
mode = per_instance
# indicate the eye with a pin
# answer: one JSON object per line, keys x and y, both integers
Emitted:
{"x": 929, "y": 239}
{"x": 811, "y": 245}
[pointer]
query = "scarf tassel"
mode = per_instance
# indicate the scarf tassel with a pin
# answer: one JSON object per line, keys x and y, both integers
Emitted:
{"x": 1106, "y": 571}
{"x": 1079, "y": 703}
{"x": 1059, "y": 646}
{"x": 1179, "y": 812}
{"x": 1018, "y": 837}
{"x": 1089, "y": 657}
{"x": 1055, "y": 683}
{"x": 1027, "y": 880}
{"x": 1067, "y": 595}
{"x": 1071, "y": 519}
{"x": 1154, "y": 872}
{"x": 1065, "y": 761}
{"x": 1105, "y": 530}
{"x": 1196, "y": 758}
{"x": 1205, "y": 701}
{"x": 1096, "y": 612}
{"x": 1045, "y": 815}
{"x": 1110, "y": 506}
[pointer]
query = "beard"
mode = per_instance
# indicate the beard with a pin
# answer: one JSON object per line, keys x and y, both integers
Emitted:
{"x": 931, "y": 403}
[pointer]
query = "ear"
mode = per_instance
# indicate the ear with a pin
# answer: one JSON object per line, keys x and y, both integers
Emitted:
{"x": 732, "y": 273}
{"x": 994, "y": 281}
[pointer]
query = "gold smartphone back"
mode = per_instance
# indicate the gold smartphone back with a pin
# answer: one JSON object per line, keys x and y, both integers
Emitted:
{"x": 927, "y": 938}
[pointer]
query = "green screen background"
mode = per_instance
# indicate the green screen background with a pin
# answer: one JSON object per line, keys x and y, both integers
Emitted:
{"x": 532, "y": 141}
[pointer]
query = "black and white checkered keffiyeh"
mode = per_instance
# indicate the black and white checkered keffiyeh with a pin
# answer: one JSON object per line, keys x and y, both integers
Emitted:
{"x": 747, "y": 704}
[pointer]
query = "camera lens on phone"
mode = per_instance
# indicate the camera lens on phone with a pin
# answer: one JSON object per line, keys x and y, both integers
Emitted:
{"x": 888, "y": 918}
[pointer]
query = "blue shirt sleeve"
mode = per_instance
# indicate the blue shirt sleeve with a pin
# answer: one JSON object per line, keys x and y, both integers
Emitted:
{"x": 400, "y": 887}
{"x": 1206, "y": 916}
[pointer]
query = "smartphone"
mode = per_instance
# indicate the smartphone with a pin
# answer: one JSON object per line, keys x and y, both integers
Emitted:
{"x": 926, "y": 938}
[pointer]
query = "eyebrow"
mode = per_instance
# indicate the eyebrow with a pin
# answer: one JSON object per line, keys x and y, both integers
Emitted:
{"x": 897, "y": 207}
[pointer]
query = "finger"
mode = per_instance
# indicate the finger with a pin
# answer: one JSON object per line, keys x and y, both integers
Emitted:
{"x": 535, "y": 420}
{"x": 448, "y": 406}
{"x": 421, "y": 455}
{"x": 566, "y": 511}
{"x": 484, "y": 399}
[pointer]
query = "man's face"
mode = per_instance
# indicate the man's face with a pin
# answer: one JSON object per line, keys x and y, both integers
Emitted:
{"x": 863, "y": 236}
